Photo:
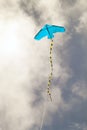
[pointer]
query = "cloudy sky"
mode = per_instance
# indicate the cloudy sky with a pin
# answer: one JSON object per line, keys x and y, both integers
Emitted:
{"x": 24, "y": 65}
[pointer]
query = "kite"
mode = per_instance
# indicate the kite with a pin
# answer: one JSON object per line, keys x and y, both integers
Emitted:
{"x": 49, "y": 30}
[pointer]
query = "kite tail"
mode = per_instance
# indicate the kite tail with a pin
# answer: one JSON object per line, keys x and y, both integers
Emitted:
{"x": 51, "y": 71}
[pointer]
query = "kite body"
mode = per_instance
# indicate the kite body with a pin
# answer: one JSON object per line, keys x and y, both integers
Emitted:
{"x": 48, "y": 30}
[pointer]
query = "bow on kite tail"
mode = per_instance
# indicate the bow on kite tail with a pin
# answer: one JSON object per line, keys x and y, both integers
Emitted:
{"x": 51, "y": 71}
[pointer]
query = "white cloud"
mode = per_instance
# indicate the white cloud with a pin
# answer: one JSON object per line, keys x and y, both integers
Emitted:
{"x": 14, "y": 76}
{"x": 79, "y": 88}
{"x": 81, "y": 28}
{"x": 49, "y": 14}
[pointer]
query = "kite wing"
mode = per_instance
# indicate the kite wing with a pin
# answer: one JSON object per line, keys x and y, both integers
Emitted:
{"x": 42, "y": 33}
{"x": 55, "y": 29}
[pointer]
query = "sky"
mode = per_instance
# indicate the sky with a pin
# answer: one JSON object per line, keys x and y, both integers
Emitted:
{"x": 24, "y": 65}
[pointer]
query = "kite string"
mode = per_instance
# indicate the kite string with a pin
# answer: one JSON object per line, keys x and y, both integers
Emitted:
{"x": 43, "y": 116}
{"x": 51, "y": 71}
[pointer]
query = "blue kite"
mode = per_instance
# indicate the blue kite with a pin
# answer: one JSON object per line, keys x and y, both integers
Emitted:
{"x": 49, "y": 30}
